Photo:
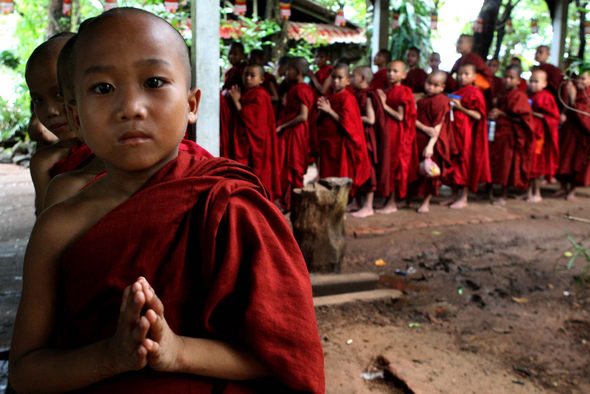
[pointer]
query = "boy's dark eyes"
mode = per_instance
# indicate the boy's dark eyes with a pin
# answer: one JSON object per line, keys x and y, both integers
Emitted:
{"x": 153, "y": 82}
{"x": 36, "y": 100}
{"x": 102, "y": 88}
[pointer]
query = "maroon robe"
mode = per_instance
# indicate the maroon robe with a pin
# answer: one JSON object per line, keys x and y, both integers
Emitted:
{"x": 224, "y": 263}
{"x": 233, "y": 76}
{"x": 523, "y": 86}
{"x": 545, "y": 146}
{"x": 255, "y": 141}
{"x": 399, "y": 148}
{"x": 322, "y": 74}
{"x": 432, "y": 111}
{"x": 343, "y": 149}
{"x": 480, "y": 65}
{"x": 226, "y": 127}
{"x": 554, "y": 79}
{"x": 574, "y": 143}
{"x": 78, "y": 156}
{"x": 510, "y": 151}
{"x": 294, "y": 141}
{"x": 472, "y": 164}
{"x": 380, "y": 80}
{"x": 415, "y": 80}
{"x": 498, "y": 87}
{"x": 451, "y": 84}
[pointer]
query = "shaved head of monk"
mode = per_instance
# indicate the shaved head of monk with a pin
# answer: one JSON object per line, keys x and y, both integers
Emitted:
{"x": 340, "y": 77}
{"x": 253, "y": 76}
{"x": 435, "y": 83}
{"x": 297, "y": 69}
{"x": 396, "y": 71}
{"x": 538, "y": 80}
{"x": 362, "y": 77}
{"x": 542, "y": 54}
{"x": 465, "y": 44}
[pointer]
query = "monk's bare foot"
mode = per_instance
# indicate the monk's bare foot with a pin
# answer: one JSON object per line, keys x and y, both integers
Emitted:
{"x": 448, "y": 201}
{"x": 522, "y": 197}
{"x": 363, "y": 213}
{"x": 571, "y": 196}
{"x": 353, "y": 206}
{"x": 424, "y": 208}
{"x": 387, "y": 209}
{"x": 534, "y": 199}
{"x": 499, "y": 202}
{"x": 560, "y": 193}
{"x": 459, "y": 204}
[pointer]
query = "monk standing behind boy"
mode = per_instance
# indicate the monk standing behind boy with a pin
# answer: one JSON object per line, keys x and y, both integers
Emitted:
{"x": 433, "y": 137}
{"x": 172, "y": 273}
{"x": 471, "y": 166}
{"x": 255, "y": 140}
{"x": 343, "y": 150}
{"x": 434, "y": 63}
{"x": 380, "y": 79}
{"x": 510, "y": 150}
{"x": 270, "y": 82}
{"x": 545, "y": 146}
{"x": 293, "y": 131}
{"x": 320, "y": 80}
{"x": 415, "y": 77}
{"x": 237, "y": 58}
{"x": 574, "y": 167}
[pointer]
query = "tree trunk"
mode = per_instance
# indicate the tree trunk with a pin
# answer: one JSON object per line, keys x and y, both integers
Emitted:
{"x": 501, "y": 26}
{"x": 489, "y": 14}
{"x": 280, "y": 39}
{"x": 318, "y": 223}
{"x": 58, "y": 22}
{"x": 581, "y": 34}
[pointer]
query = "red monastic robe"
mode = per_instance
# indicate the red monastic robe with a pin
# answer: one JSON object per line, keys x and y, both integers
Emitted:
{"x": 510, "y": 151}
{"x": 294, "y": 141}
{"x": 415, "y": 80}
{"x": 322, "y": 74}
{"x": 223, "y": 261}
{"x": 255, "y": 141}
{"x": 575, "y": 143}
{"x": 78, "y": 156}
{"x": 399, "y": 148}
{"x": 554, "y": 79}
{"x": 471, "y": 166}
{"x": 523, "y": 86}
{"x": 451, "y": 84}
{"x": 498, "y": 87}
{"x": 432, "y": 111}
{"x": 545, "y": 146}
{"x": 226, "y": 127}
{"x": 380, "y": 80}
{"x": 233, "y": 76}
{"x": 480, "y": 65}
{"x": 343, "y": 150}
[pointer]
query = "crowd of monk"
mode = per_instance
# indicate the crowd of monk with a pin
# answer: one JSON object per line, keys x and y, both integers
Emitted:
{"x": 400, "y": 133}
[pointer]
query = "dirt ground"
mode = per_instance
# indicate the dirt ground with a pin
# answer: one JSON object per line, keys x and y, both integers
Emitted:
{"x": 488, "y": 304}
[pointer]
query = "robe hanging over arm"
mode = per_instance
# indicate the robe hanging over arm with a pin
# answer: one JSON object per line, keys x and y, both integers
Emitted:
{"x": 545, "y": 146}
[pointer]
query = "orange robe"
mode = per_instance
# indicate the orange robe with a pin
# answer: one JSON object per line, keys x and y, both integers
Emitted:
{"x": 510, "y": 151}
{"x": 574, "y": 143}
{"x": 224, "y": 263}
{"x": 343, "y": 150}
{"x": 545, "y": 146}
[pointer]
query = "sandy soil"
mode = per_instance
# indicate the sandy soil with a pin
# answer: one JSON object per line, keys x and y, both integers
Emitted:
{"x": 484, "y": 310}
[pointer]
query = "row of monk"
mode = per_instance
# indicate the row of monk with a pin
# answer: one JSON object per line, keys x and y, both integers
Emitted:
{"x": 400, "y": 132}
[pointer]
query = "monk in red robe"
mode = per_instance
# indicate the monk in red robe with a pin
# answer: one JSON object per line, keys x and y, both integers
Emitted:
{"x": 236, "y": 57}
{"x": 380, "y": 79}
{"x": 399, "y": 149}
{"x": 320, "y": 80}
{"x": 373, "y": 118}
{"x": 415, "y": 77}
{"x": 293, "y": 131}
{"x": 172, "y": 273}
{"x": 510, "y": 150}
{"x": 255, "y": 140}
{"x": 522, "y": 86}
{"x": 471, "y": 166}
{"x": 574, "y": 166}
{"x": 434, "y": 63}
{"x": 433, "y": 137}
{"x": 497, "y": 82}
{"x": 343, "y": 149}
{"x": 554, "y": 74}
{"x": 270, "y": 82}
{"x": 545, "y": 146}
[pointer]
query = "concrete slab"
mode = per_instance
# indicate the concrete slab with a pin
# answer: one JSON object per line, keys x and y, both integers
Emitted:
{"x": 371, "y": 295}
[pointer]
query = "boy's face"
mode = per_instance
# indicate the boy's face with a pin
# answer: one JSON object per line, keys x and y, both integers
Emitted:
{"x": 434, "y": 85}
{"x": 462, "y": 45}
{"x": 379, "y": 60}
{"x": 340, "y": 80}
{"x": 538, "y": 81}
{"x": 412, "y": 58}
{"x": 583, "y": 81}
{"x": 235, "y": 55}
{"x": 494, "y": 66}
{"x": 282, "y": 70}
{"x": 292, "y": 73}
{"x": 396, "y": 72}
{"x": 320, "y": 59}
{"x": 466, "y": 76}
{"x": 358, "y": 81}
{"x": 434, "y": 61}
{"x": 542, "y": 55}
{"x": 252, "y": 77}
{"x": 47, "y": 102}
{"x": 511, "y": 79}
{"x": 133, "y": 98}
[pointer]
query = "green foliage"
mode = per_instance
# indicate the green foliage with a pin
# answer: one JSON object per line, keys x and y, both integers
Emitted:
{"x": 14, "y": 119}
{"x": 305, "y": 48}
{"x": 578, "y": 252}
{"x": 9, "y": 59}
{"x": 414, "y": 28}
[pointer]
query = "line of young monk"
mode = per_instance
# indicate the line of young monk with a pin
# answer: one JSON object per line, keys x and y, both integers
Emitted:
{"x": 397, "y": 134}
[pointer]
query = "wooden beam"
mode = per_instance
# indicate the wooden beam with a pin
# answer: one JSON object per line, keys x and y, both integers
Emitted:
{"x": 559, "y": 32}
{"x": 380, "y": 38}
{"x": 205, "y": 71}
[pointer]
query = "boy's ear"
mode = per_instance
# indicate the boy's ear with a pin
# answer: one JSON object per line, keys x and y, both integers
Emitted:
{"x": 194, "y": 98}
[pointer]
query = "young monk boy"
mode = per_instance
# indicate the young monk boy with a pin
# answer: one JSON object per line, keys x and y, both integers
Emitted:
{"x": 223, "y": 294}
{"x": 69, "y": 153}
{"x": 497, "y": 82}
{"x": 380, "y": 79}
{"x": 400, "y": 150}
{"x": 434, "y": 63}
{"x": 255, "y": 140}
{"x": 471, "y": 166}
{"x": 510, "y": 151}
{"x": 342, "y": 145}
{"x": 237, "y": 59}
{"x": 293, "y": 130}
{"x": 574, "y": 167}
{"x": 554, "y": 74}
{"x": 465, "y": 49}
{"x": 545, "y": 146}
{"x": 270, "y": 82}
{"x": 320, "y": 80}
{"x": 39, "y": 133}
{"x": 415, "y": 77}
{"x": 433, "y": 136}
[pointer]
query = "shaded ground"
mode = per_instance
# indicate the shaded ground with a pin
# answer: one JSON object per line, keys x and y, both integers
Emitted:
{"x": 483, "y": 312}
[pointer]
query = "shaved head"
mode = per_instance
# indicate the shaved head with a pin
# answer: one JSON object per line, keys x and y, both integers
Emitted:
{"x": 468, "y": 38}
{"x": 439, "y": 76}
{"x": 540, "y": 73}
{"x": 259, "y": 69}
{"x": 342, "y": 66}
{"x": 300, "y": 64}
{"x": 48, "y": 51}
{"x": 470, "y": 66}
{"x": 365, "y": 72}
{"x": 400, "y": 63}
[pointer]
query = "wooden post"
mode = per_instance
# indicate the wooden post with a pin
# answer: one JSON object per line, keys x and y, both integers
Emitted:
{"x": 318, "y": 223}
{"x": 205, "y": 61}
{"x": 380, "y": 38}
{"x": 559, "y": 32}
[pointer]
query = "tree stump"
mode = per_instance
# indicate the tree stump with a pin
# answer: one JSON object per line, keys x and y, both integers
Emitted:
{"x": 318, "y": 222}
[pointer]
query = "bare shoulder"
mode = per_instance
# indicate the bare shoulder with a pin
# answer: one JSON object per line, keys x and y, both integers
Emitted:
{"x": 66, "y": 185}
{"x": 47, "y": 156}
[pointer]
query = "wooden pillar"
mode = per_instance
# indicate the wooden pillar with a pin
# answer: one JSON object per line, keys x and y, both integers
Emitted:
{"x": 559, "y": 32}
{"x": 380, "y": 37}
{"x": 205, "y": 73}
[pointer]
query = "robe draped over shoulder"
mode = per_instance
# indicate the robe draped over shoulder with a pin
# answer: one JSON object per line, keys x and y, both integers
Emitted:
{"x": 224, "y": 263}
{"x": 575, "y": 142}
{"x": 545, "y": 146}
{"x": 78, "y": 156}
{"x": 415, "y": 80}
{"x": 380, "y": 80}
{"x": 554, "y": 79}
